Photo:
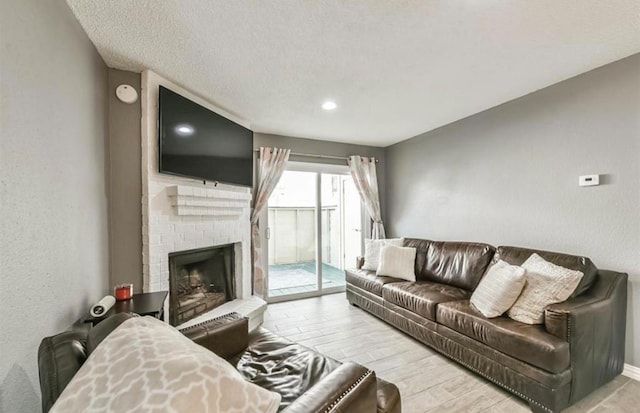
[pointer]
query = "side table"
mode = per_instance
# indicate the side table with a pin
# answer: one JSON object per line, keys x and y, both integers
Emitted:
{"x": 143, "y": 304}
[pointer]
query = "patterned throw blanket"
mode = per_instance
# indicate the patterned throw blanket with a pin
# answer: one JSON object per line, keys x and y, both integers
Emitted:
{"x": 145, "y": 365}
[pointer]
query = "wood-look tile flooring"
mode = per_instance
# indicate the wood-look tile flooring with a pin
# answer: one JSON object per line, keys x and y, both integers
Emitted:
{"x": 428, "y": 381}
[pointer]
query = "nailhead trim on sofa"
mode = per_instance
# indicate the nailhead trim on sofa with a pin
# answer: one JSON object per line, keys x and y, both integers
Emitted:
{"x": 344, "y": 394}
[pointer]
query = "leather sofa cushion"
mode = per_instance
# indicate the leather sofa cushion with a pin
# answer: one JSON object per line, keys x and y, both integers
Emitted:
{"x": 282, "y": 366}
{"x": 528, "y": 343}
{"x": 104, "y": 328}
{"x": 368, "y": 280}
{"x": 459, "y": 264}
{"x": 517, "y": 256}
{"x": 422, "y": 297}
{"x": 422, "y": 249}
{"x": 226, "y": 336}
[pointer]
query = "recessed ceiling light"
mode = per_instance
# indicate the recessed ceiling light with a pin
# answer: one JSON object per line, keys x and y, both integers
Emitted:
{"x": 329, "y": 105}
{"x": 185, "y": 130}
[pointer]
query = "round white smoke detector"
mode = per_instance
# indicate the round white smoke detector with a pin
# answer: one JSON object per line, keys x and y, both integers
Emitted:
{"x": 126, "y": 93}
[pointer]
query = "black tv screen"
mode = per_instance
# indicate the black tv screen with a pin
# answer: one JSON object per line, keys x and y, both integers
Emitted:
{"x": 198, "y": 143}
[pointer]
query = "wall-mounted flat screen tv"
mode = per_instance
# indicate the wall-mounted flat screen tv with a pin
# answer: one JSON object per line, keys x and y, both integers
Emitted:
{"x": 197, "y": 143}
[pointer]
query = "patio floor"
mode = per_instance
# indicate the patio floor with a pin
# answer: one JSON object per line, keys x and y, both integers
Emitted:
{"x": 301, "y": 277}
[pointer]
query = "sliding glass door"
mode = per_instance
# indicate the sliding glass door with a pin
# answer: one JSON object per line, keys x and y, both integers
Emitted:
{"x": 291, "y": 234}
{"x": 314, "y": 231}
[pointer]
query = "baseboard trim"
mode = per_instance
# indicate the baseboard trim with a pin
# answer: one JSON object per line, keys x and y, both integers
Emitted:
{"x": 632, "y": 372}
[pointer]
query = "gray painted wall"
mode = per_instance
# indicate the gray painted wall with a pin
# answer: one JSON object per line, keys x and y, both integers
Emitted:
{"x": 53, "y": 192}
{"x": 125, "y": 184}
{"x": 509, "y": 176}
{"x": 315, "y": 147}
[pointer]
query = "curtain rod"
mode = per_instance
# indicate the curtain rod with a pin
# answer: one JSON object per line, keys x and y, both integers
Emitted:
{"x": 310, "y": 155}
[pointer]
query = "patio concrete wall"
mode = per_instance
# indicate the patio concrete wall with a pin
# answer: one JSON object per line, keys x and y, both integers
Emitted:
{"x": 292, "y": 232}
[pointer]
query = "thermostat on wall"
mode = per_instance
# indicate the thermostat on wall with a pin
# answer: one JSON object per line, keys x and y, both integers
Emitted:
{"x": 589, "y": 180}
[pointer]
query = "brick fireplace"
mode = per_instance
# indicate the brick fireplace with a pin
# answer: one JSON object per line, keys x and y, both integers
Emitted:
{"x": 181, "y": 214}
{"x": 200, "y": 280}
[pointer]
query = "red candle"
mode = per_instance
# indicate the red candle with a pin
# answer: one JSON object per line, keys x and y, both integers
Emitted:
{"x": 123, "y": 291}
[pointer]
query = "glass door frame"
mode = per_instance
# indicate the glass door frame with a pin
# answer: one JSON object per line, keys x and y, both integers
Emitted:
{"x": 365, "y": 224}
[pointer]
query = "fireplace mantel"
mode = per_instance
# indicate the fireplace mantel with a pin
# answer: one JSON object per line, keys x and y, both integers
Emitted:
{"x": 187, "y": 200}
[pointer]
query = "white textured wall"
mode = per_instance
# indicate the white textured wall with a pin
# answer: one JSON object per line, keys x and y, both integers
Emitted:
{"x": 53, "y": 203}
{"x": 509, "y": 176}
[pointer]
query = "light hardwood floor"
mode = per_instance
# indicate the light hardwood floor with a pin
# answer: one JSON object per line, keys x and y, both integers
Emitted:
{"x": 428, "y": 381}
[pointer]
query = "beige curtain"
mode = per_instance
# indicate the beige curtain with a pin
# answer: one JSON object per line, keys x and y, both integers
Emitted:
{"x": 271, "y": 164}
{"x": 363, "y": 171}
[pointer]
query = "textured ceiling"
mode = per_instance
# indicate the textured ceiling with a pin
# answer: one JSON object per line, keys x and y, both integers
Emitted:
{"x": 395, "y": 68}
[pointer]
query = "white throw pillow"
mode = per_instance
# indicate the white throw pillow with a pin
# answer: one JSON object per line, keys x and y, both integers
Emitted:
{"x": 372, "y": 251}
{"x": 546, "y": 284}
{"x": 398, "y": 262}
{"x": 498, "y": 289}
{"x": 147, "y": 365}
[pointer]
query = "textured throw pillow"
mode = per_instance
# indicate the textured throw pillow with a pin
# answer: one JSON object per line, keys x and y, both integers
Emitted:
{"x": 372, "y": 251}
{"x": 546, "y": 284}
{"x": 498, "y": 289}
{"x": 145, "y": 365}
{"x": 398, "y": 262}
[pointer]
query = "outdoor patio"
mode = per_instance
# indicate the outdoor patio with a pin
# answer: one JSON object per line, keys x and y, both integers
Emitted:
{"x": 301, "y": 277}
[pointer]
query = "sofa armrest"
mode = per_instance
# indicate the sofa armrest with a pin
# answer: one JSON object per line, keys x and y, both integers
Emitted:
{"x": 594, "y": 325}
{"x": 351, "y": 388}
{"x": 59, "y": 359}
{"x": 359, "y": 262}
{"x": 226, "y": 335}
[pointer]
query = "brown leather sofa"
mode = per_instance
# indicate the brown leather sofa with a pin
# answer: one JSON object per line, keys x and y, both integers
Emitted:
{"x": 579, "y": 347}
{"x": 307, "y": 381}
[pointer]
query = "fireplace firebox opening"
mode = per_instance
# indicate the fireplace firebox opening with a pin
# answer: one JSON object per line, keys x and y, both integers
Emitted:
{"x": 199, "y": 281}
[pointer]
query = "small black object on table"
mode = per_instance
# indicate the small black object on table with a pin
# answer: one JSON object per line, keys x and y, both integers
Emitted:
{"x": 143, "y": 304}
